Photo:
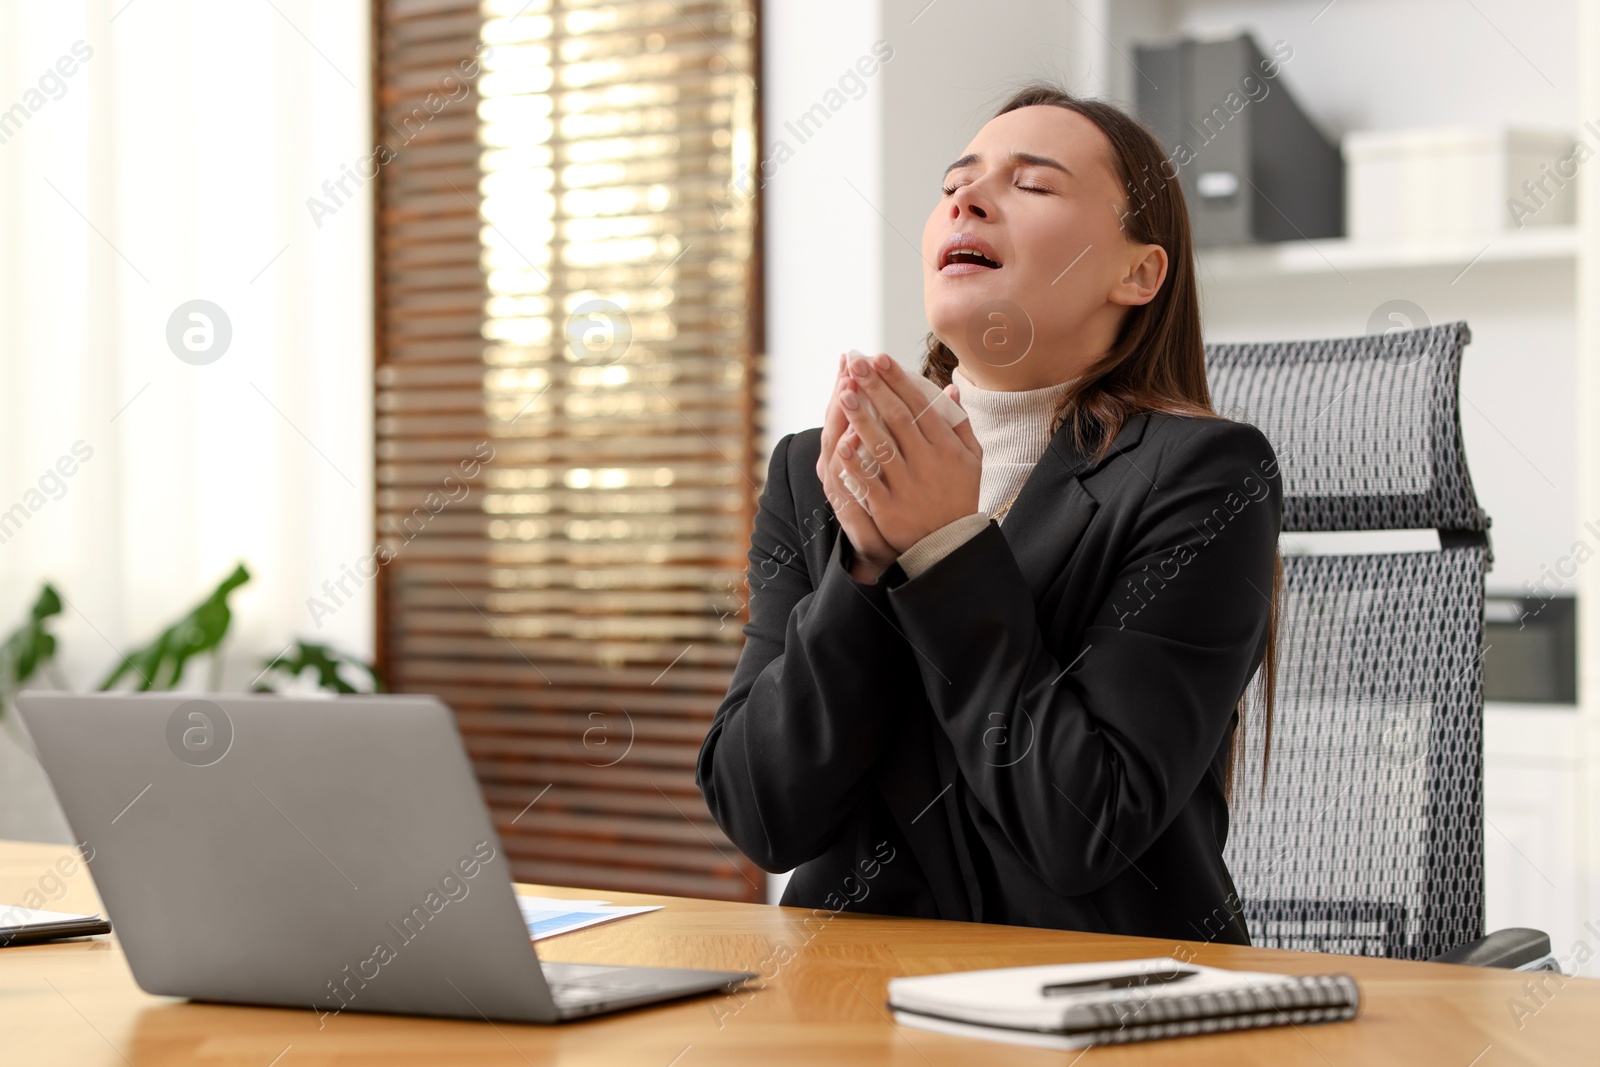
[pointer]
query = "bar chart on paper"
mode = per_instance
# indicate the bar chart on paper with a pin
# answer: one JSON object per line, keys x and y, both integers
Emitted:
{"x": 549, "y": 916}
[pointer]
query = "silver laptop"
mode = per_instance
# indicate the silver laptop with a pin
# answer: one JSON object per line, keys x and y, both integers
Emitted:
{"x": 325, "y": 854}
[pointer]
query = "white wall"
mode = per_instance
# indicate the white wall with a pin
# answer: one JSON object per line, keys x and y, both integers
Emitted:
{"x": 824, "y": 293}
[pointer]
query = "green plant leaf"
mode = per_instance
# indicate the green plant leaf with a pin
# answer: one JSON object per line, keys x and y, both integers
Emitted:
{"x": 30, "y": 646}
{"x": 325, "y": 661}
{"x": 160, "y": 664}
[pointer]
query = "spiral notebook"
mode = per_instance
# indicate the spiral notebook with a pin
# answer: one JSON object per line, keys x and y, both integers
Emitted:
{"x": 1074, "y": 1005}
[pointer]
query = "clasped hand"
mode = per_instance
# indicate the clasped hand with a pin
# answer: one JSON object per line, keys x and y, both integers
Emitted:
{"x": 896, "y": 472}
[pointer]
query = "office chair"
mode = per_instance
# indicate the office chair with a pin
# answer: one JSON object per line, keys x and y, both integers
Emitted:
{"x": 1368, "y": 836}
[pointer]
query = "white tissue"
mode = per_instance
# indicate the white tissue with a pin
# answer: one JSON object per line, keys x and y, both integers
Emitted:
{"x": 948, "y": 409}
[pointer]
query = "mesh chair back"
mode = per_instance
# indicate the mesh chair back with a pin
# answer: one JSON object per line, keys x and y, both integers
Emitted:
{"x": 1368, "y": 836}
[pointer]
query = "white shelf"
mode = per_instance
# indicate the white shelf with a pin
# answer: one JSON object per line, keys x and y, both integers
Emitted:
{"x": 1341, "y": 256}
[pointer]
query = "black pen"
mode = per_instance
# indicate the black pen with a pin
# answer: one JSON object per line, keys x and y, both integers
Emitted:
{"x": 1119, "y": 981}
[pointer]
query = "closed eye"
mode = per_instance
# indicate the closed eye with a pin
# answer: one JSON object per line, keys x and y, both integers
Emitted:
{"x": 1017, "y": 161}
{"x": 950, "y": 190}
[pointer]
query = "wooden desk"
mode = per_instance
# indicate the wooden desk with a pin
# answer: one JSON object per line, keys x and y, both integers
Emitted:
{"x": 822, "y": 1003}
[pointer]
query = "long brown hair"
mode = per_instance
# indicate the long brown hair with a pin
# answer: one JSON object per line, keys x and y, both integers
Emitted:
{"x": 1157, "y": 362}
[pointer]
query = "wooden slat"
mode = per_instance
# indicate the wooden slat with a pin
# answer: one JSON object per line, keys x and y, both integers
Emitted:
{"x": 457, "y": 649}
{"x": 569, "y": 527}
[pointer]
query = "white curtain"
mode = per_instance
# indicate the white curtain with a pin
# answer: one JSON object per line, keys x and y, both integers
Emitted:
{"x": 154, "y": 153}
{"x": 159, "y": 152}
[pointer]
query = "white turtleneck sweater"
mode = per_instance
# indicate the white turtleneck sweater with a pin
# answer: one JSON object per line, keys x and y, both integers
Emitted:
{"x": 1013, "y": 428}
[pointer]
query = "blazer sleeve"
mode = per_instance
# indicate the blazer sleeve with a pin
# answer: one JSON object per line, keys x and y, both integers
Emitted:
{"x": 1123, "y": 726}
{"x": 809, "y": 709}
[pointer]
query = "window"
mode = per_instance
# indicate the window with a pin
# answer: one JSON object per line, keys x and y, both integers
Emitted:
{"x": 568, "y": 328}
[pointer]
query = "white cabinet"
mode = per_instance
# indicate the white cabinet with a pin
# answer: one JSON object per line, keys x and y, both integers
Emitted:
{"x": 1532, "y": 830}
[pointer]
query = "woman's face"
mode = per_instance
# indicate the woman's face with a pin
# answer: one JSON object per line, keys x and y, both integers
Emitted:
{"x": 1027, "y": 270}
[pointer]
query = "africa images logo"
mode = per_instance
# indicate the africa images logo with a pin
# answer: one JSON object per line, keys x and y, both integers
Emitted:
{"x": 199, "y": 732}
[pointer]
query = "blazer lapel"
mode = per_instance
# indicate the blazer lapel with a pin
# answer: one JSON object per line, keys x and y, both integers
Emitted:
{"x": 1053, "y": 508}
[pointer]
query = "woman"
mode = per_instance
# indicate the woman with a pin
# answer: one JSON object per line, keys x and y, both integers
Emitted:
{"x": 936, "y": 717}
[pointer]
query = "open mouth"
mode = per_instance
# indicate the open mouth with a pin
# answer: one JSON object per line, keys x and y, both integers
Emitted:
{"x": 965, "y": 254}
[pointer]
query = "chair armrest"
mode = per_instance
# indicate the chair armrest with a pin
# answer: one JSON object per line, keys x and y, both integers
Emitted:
{"x": 1515, "y": 948}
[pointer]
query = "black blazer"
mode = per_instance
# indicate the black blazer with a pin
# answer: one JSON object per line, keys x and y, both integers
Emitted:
{"x": 1035, "y": 730}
